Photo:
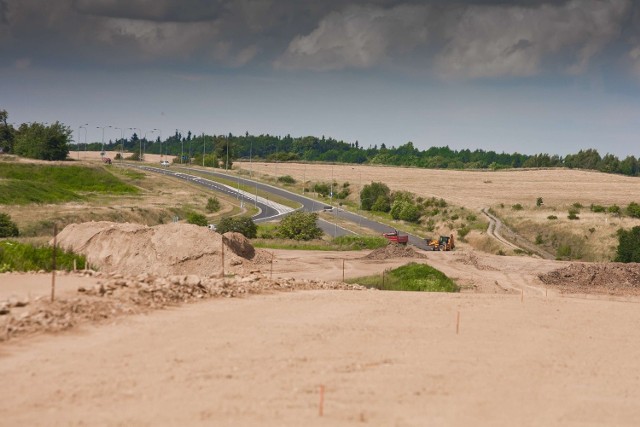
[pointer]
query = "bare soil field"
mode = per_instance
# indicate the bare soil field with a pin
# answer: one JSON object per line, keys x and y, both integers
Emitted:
{"x": 158, "y": 338}
{"x": 508, "y": 350}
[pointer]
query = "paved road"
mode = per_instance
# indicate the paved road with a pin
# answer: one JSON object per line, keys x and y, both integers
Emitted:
{"x": 269, "y": 210}
{"x": 311, "y": 205}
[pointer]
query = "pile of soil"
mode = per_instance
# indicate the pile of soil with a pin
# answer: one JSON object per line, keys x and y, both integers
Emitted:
{"x": 393, "y": 251}
{"x": 164, "y": 249}
{"x": 612, "y": 279}
{"x": 117, "y": 295}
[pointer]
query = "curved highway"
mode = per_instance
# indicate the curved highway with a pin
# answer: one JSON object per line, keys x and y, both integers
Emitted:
{"x": 311, "y": 205}
{"x": 269, "y": 210}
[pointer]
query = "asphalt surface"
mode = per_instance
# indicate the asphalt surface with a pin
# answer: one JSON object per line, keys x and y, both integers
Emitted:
{"x": 311, "y": 205}
{"x": 269, "y": 210}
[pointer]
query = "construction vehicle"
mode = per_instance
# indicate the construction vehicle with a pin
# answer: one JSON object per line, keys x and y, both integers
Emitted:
{"x": 396, "y": 238}
{"x": 445, "y": 243}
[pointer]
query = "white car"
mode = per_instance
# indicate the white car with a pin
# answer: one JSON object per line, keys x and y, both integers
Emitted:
{"x": 164, "y": 163}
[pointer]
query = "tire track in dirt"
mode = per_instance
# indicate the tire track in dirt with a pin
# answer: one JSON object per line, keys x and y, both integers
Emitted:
{"x": 496, "y": 228}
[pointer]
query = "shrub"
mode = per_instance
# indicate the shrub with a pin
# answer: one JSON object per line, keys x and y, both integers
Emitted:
{"x": 471, "y": 218}
{"x": 614, "y": 209}
{"x": 628, "y": 245}
{"x": 462, "y": 232}
{"x": 197, "y": 219}
{"x": 322, "y": 188}
{"x": 573, "y": 213}
{"x": 552, "y": 217}
{"x": 633, "y": 210}
{"x": 299, "y": 226}
{"x": 286, "y": 179}
{"x": 243, "y": 225}
{"x": 598, "y": 208}
{"x": 539, "y": 202}
{"x": 564, "y": 252}
{"x": 517, "y": 207}
{"x": 577, "y": 205}
{"x": 376, "y": 194}
{"x": 381, "y": 204}
{"x": 213, "y": 204}
{"x": 539, "y": 239}
{"x": 8, "y": 228}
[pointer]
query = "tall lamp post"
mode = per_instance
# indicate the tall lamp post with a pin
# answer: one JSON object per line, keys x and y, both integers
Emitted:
{"x": 78, "y": 143}
{"x": 144, "y": 150}
{"x": 121, "y": 143}
{"x": 180, "y": 132}
{"x": 102, "y": 127}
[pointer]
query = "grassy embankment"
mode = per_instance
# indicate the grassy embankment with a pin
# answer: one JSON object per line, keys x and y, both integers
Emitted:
{"x": 410, "y": 277}
{"x": 16, "y": 256}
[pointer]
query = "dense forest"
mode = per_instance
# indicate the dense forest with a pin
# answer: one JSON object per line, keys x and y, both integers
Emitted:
{"x": 313, "y": 149}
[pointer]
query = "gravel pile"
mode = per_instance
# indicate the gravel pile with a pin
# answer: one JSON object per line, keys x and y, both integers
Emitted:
{"x": 393, "y": 251}
{"x": 611, "y": 278}
{"x": 117, "y": 295}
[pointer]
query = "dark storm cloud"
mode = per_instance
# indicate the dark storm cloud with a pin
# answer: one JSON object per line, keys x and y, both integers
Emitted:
{"x": 467, "y": 39}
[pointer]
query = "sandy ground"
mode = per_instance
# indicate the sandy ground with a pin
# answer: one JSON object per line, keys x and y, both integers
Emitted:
{"x": 384, "y": 358}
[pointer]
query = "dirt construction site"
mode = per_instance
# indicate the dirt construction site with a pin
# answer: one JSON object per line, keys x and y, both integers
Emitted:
{"x": 181, "y": 327}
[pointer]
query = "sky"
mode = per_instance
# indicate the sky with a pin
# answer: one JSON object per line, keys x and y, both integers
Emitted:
{"x": 527, "y": 76}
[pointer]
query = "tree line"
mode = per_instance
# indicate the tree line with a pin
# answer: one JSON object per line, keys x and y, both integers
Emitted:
{"x": 53, "y": 142}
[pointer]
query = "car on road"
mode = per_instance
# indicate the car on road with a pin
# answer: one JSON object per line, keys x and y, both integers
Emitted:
{"x": 164, "y": 163}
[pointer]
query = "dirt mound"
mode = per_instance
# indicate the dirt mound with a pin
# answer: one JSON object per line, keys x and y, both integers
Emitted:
{"x": 117, "y": 295}
{"x": 393, "y": 251}
{"x": 239, "y": 244}
{"x": 611, "y": 278}
{"x": 165, "y": 249}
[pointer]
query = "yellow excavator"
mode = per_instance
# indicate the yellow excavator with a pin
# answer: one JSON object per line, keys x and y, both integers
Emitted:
{"x": 445, "y": 243}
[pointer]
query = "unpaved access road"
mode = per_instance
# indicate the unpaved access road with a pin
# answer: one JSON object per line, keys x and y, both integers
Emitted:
{"x": 384, "y": 358}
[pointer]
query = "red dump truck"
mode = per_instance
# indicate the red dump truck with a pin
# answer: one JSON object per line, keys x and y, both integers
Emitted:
{"x": 397, "y": 238}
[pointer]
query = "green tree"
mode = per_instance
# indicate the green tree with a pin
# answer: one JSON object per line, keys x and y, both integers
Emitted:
{"x": 299, "y": 226}
{"x": 38, "y": 141}
{"x": 213, "y": 204}
{"x": 404, "y": 210}
{"x": 197, "y": 219}
{"x": 7, "y": 133}
{"x": 628, "y": 245}
{"x": 243, "y": 225}
{"x": 8, "y": 228}
{"x": 375, "y": 194}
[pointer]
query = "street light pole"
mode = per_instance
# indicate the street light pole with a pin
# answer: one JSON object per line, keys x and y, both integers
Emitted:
{"x": 180, "y": 132}
{"x": 121, "y": 143}
{"x": 102, "y": 150}
{"x": 144, "y": 150}
{"x": 78, "y": 142}
{"x": 204, "y": 144}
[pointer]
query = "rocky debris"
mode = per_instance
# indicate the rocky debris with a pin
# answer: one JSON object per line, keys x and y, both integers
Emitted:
{"x": 470, "y": 258}
{"x": 610, "y": 278}
{"x": 164, "y": 249}
{"x": 393, "y": 251}
{"x": 116, "y": 295}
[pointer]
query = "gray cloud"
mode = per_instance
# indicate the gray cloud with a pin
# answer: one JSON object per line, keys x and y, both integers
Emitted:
{"x": 485, "y": 39}
{"x": 466, "y": 39}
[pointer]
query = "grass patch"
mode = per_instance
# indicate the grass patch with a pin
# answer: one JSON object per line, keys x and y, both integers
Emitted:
{"x": 22, "y": 184}
{"x": 411, "y": 277}
{"x": 16, "y": 256}
{"x": 342, "y": 243}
